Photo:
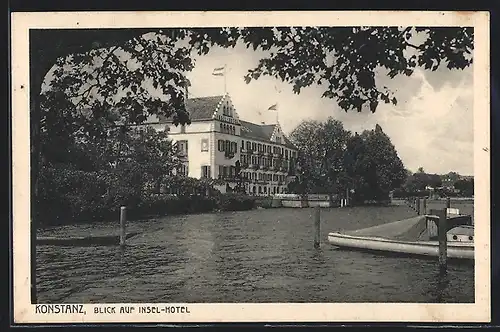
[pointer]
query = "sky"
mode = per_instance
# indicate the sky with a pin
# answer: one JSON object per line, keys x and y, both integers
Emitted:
{"x": 431, "y": 126}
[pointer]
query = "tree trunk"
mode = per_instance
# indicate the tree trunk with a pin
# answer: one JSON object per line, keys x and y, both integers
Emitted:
{"x": 35, "y": 176}
{"x": 39, "y": 67}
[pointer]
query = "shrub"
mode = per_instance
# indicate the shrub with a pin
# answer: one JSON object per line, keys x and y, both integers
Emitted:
{"x": 235, "y": 202}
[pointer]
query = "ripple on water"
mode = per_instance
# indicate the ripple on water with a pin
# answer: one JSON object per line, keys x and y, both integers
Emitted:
{"x": 252, "y": 256}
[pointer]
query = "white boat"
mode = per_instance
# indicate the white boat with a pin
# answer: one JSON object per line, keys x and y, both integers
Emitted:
{"x": 413, "y": 236}
{"x": 462, "y": 250}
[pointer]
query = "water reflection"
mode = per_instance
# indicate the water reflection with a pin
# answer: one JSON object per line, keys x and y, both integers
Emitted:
{"x": 255, "y": 256}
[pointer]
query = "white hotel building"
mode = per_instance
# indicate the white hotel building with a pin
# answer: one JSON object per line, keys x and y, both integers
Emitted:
{"x": 217, "y": 138}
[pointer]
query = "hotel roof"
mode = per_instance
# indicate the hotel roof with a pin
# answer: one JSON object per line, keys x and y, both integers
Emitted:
{"x": 203, "y": 108}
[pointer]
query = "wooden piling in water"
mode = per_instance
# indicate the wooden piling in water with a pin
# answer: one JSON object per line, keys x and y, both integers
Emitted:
{"x": 448, "y": 202}
{"x": 317, "y": 219}
{"x": 443, "y": 249}
{"x": 123, "y": 225}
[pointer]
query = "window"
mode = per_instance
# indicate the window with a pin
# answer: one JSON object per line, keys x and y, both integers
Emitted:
{"x": 249, "y": 146}
{"x": 220, "y": 145}
{"x": 254, "y": 146}
{"x": 205, "y": 171}
{"x": 242, "y": 145}
{"x": 183, "y": 147}
{"x": 286, "y": 154}
{"x": 260, "y": 147}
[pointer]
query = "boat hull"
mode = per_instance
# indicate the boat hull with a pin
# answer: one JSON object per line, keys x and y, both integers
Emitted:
{"x": 457, "y": 250}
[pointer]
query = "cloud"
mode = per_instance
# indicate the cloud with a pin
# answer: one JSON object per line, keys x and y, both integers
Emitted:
{"x": 430, "y": 127}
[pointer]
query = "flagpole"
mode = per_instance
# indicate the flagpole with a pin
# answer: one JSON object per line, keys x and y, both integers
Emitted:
{"x": 225, "y": 86}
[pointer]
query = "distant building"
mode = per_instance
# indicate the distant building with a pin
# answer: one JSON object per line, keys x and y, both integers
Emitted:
{"x": 217, "y": 138}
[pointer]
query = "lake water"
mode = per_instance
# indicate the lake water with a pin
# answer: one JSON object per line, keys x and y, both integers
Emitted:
{"x": 251, "y": 256}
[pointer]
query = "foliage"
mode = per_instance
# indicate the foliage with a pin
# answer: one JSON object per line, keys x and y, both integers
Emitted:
{"x": 235, "y": 202}
{"x": 377, "y": 168}
{"x": 105, "y": 80}
{"x": 70, "y": 196}
{"x": 333, "y": 161}
{"x": 345, "y": 60}
{"x": 124, "y": 75}
{"x": 321, "y": 149}
{"x": 420, "y": 180}
{"x": 265, "y": 202}
{"x": 466, "y": 187}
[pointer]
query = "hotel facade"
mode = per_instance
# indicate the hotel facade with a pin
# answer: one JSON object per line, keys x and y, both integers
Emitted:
{"x": 217, "y": 139}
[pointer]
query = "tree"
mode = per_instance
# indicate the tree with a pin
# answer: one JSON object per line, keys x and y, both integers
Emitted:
{"x": 321, "y": 149}
{"x": 377, "y": 168}
{"x": 420, "y": 181}
{"x": 466, "y": 187}
{"x": 343, "y": 60}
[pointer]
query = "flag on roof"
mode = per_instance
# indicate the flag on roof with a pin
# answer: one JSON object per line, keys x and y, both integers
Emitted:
{"x": 273, "y": 107}
{"x": 219, "y": 71}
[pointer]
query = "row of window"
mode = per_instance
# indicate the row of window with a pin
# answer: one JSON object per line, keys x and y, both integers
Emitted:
{"x": 227, "y": 146}
{"x": 226, "y": 110}
{"x": 230, "y": 171}
{"x": 263, "y": 176}
{"x": 227, "y": 171}
{"x": 260, "y": 147}
{"x": 263, "y": 161}
{"x": 263, "y": 190}
{"x": 227, "y": 129}
{"x": 230, "y": 146}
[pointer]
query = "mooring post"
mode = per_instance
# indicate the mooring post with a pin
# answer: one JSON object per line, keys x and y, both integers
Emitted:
{"x": 317, "y": 220}
{"x": 448, "y": 202}
{"x": 418, "y": 205}
{"x": 442, "y": 230}
{"x": 123, "y": 225}
{"x": 424, "y": 206}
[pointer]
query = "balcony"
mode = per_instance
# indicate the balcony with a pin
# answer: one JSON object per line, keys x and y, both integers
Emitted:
{"x": 229, "y": 178}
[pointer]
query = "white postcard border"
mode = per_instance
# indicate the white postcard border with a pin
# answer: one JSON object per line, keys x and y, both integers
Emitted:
{"x": 25, "y": 312}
